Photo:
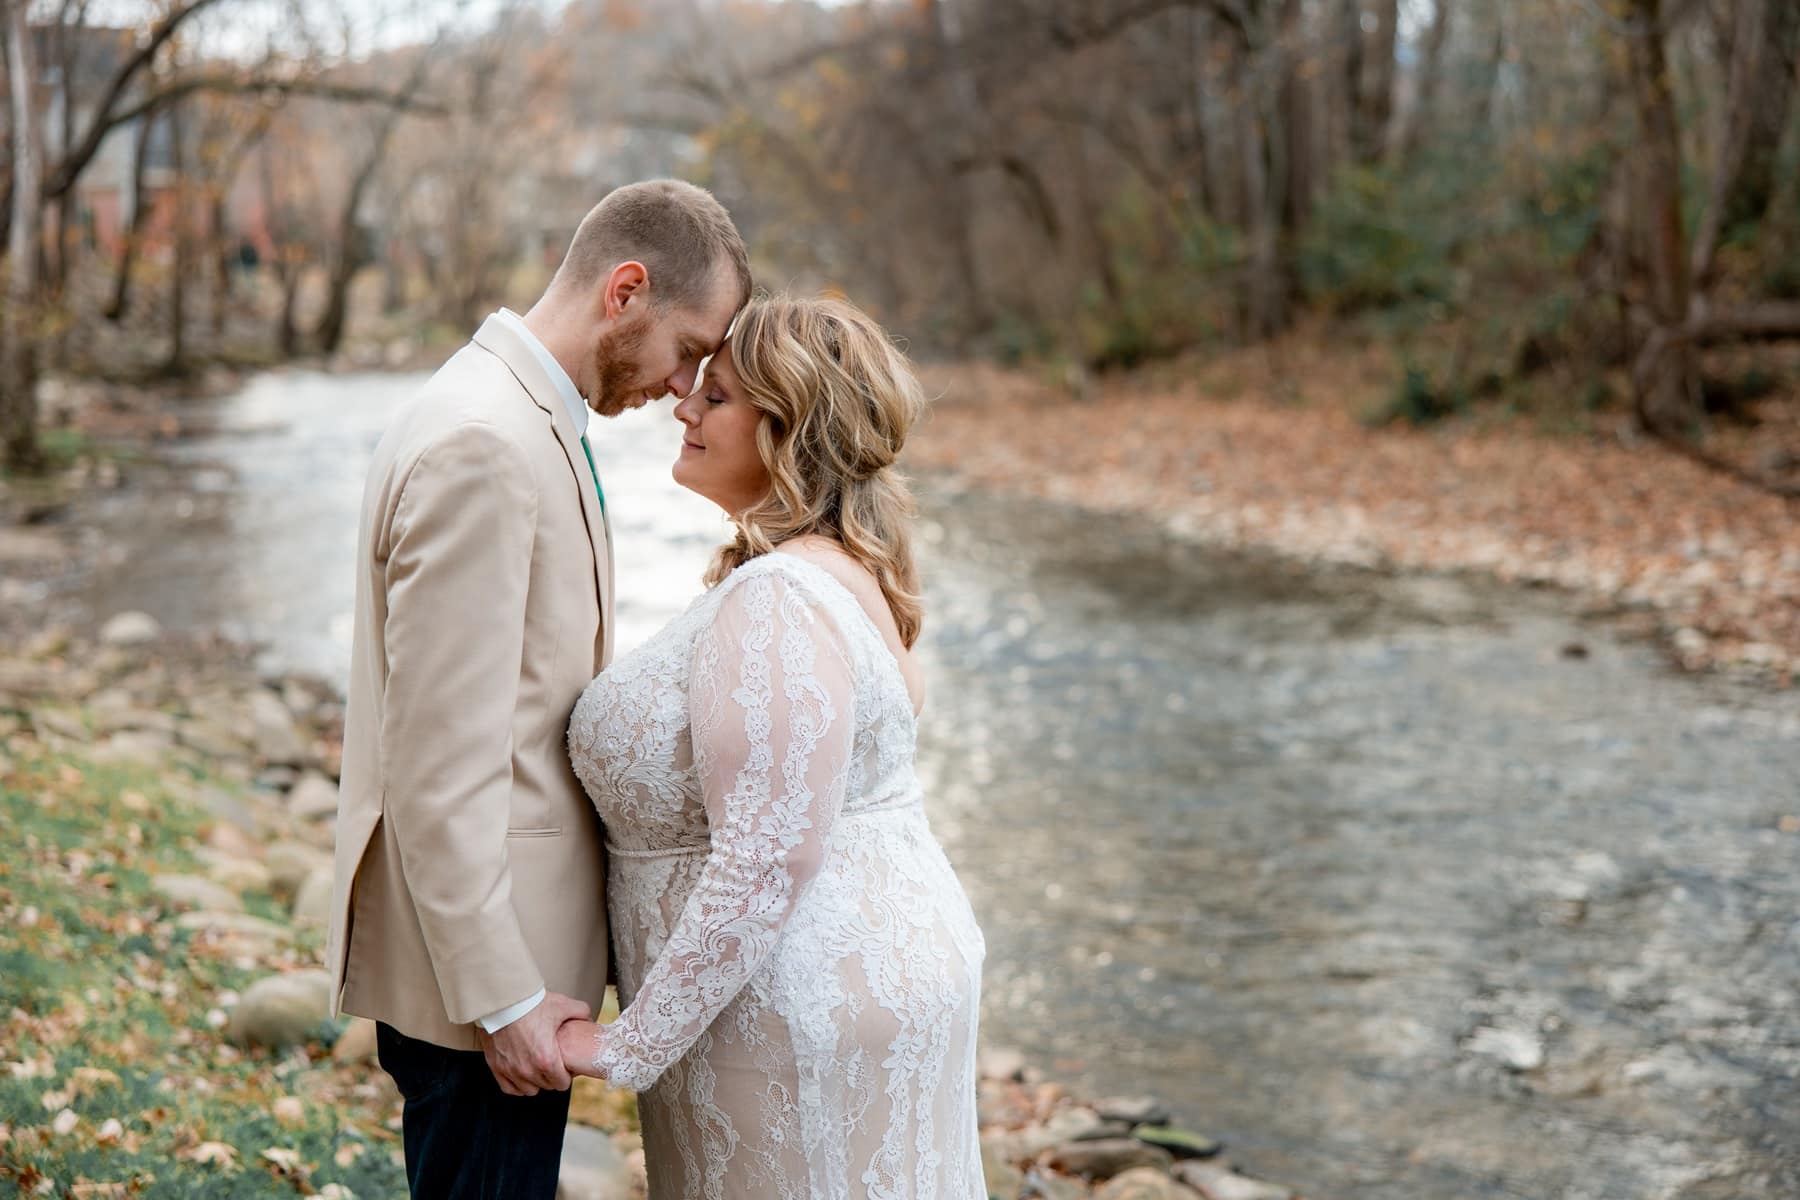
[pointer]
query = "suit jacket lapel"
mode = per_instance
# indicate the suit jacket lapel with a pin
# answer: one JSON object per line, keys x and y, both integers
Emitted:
{"x": 502, "y": 342}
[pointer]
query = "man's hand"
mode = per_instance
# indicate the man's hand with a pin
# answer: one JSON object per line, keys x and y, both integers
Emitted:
{"x": 524, "y": 1056}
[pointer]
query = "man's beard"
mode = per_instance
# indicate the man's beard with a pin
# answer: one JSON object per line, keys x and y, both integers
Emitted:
{"x": 618, "y": 368}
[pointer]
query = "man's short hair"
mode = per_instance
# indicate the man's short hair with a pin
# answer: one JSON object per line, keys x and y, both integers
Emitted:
{"x": 678, "y": 231}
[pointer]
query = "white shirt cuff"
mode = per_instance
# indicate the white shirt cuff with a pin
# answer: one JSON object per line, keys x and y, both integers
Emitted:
{"x": 495, "y": 1022}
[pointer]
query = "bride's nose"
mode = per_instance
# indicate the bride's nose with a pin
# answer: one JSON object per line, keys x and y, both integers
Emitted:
{"x": 687, "y": 412}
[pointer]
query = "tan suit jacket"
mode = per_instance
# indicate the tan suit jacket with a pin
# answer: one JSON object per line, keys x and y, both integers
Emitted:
{"x": 470, "y": 864}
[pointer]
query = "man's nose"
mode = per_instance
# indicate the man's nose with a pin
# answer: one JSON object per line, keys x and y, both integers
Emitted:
{"x": 682, "y": 381}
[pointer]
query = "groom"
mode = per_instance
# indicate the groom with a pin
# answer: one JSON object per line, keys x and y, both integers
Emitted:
{"x": 468, "y": 917}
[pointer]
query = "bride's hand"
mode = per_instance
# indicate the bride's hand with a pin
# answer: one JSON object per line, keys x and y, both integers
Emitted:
{"x": 579, "y": 1042}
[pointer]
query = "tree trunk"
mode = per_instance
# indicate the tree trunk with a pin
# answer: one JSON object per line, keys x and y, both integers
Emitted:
{"x": 352, "y": 255}
{"x": 1377, "y": 99}
{"x": 1665, "y": 375}
{"x": 183, "y": 238}
{"x": 1295, "y": 184}
{"x": 18, "y": 344}
{"x": 1261, "y": 145}
{"x": 1348, "y": 98}
{"x": 1764, "y": 42}
{"x": 134, "y": 232}
{"x": 1431, "y": 70}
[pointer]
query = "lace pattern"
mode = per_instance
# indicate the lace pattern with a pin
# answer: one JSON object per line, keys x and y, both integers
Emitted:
{"x": 799, "y": 968}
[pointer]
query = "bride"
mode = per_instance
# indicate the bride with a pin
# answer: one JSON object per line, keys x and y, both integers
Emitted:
{"x": 798, "y": 966}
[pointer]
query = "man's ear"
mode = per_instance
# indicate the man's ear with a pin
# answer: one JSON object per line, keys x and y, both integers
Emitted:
{"x": 627, "y": 282}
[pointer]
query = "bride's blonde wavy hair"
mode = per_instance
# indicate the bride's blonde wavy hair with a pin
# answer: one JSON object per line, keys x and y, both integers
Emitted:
{"x": 837, "y": 399}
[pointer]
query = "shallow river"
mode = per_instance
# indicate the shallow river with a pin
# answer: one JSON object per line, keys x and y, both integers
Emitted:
{"x": 1375, "y": 879}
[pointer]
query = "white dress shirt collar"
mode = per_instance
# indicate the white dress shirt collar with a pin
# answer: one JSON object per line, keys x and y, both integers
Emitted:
{"x": 565, "y": 387}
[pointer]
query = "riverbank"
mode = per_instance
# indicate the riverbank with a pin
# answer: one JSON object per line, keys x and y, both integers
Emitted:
{"x": 161, "y": 961}
{"x": 1272, "y": 448}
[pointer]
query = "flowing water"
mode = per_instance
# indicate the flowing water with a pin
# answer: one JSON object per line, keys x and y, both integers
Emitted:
{"x": 1401, "y": 887}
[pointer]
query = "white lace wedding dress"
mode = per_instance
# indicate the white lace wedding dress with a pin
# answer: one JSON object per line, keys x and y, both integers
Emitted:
{"x": 798, "y": 965}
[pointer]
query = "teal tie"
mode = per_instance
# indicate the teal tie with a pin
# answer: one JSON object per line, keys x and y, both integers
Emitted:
{"x": 595, "y": 472}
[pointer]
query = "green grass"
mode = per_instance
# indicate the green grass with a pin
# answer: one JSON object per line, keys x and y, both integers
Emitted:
{"x": 105, "y": 1008}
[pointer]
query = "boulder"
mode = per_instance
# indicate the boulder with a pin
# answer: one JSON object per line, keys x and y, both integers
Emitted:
{"x": 281, "y": 1010}
{"x": 592, "y": 1167}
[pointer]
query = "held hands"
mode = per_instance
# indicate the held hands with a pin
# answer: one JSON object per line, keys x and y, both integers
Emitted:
{"x": 526, "y": 1056}
{"x": 579, "y": 1042}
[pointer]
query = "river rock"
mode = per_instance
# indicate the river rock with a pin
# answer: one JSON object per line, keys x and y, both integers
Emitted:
{"x": 312, "y": 901}
{"x": 592, "y": 1167}
{"x": 1106, "y": 1157}
{"x": 30, "y": 546}
{"x": 24, "y": 679}
{"x": 1054, "y": 1187}
{"x": 211, "y": 739}
{"x": 1073, "y": 1124}
{"x": 1221, "y": 1183}
{"x": 61, "y": 723}
{"x": 194, "y": 892}
{"x": 233, "y": 871}
{"x": 357, "y": 1043}
{"x": 1144, "y": 1183}
{"x": 1001, "y": 1102}
{"x": 313, "y": 798}
{"x": 281, "y": 1010}
{"x": 237, "y": 933}
{"x": 278, "y": 737}
{"x": 130, "y": 629}
{"x": 117, "y": 717}
{"x": 1515, "y": 1049}
{"x": 1004, "y": 1181}
{"x": 1182, "y": 1143}
{"x": 1135, "y": 1110}
{"x": 289, "y": 864}
{"x": 994, "y": 1062}
{"x": 140, "y": 746}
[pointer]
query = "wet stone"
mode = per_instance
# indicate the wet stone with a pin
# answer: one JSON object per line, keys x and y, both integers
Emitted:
{"x": 1182, "y": 1143}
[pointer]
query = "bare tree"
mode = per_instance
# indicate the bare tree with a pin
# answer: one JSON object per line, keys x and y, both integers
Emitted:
{"x": 18, "y": 341}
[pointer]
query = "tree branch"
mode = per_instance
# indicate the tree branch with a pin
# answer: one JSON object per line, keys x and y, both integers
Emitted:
{"x": 62, "y": 178}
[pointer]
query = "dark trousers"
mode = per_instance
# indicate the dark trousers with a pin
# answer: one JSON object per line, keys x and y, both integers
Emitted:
{"x": 465, "y": 1138}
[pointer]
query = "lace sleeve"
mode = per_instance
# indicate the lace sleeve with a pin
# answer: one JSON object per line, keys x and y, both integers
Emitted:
{"x": 771, "y": 699}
